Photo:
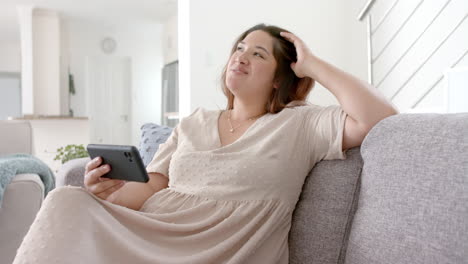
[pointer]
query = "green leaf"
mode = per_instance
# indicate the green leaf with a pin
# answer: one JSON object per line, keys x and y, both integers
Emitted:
{"x": 70, "y": 152}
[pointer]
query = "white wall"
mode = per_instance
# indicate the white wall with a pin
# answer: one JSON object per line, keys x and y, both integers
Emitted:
{"x": 64, "y": 64}
{"x": 10, "y": 57}
{"x": 140, "y": 42}
{"x": 326, "y": 26}
{"x": 414, "y": 42}
{"x": 170, "y": 40}
{"x": 25, "y": 17}
{"x": 355, "y": 40}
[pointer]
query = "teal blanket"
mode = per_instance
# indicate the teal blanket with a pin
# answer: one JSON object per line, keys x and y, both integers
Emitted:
{"x": 11, "y": 165}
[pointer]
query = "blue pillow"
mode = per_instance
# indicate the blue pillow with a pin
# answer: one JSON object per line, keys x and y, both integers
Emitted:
{"x": 152, "y": 135}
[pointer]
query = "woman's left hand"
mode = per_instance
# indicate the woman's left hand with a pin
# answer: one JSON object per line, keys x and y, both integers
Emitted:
{"x": 302, "y": 66}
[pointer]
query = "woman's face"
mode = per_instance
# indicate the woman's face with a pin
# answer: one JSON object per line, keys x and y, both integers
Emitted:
{"x": 252, "y": 66}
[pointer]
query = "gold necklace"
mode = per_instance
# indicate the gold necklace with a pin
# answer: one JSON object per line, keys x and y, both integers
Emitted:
{"x": 234, "y": 128}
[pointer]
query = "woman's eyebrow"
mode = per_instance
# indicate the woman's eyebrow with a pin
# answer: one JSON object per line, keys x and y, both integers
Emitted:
{"x": 258, "y": 47}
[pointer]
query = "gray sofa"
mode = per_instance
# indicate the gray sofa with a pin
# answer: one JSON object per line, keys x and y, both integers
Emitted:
{"x": 400, "y": 198}
{"x": 23, "y": 197}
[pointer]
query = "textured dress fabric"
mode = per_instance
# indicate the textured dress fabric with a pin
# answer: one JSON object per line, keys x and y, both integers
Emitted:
{"x": 224, "y": 204}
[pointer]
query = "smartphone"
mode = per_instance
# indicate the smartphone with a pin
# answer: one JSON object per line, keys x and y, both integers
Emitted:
{"x": 125, "y": 161}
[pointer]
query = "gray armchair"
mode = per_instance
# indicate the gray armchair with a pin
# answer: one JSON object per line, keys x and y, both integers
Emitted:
{"x": 23, "y": 197}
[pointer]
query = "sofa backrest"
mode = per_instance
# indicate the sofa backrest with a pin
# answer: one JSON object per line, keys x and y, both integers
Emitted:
{"x": 323, "y": 215}
{"x": 413, "y": 203}
{"x": 15, "y": 137}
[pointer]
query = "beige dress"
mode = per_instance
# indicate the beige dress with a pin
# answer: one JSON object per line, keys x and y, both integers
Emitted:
{"x": 225, "y": 204}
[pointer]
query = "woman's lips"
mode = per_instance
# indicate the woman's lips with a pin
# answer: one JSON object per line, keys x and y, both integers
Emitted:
{"x": 238, "y": 71}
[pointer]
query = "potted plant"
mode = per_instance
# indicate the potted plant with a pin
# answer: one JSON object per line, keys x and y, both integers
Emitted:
{"x": 70, "y": 152}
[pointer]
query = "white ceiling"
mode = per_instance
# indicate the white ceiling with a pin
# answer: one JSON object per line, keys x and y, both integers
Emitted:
{"x": 110, "y": 12}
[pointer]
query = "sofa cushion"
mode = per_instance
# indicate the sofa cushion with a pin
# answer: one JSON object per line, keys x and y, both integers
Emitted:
{"x": 413, "y": 204}
{"x": 152, "y": 135}
{"x": 323, "y": 214}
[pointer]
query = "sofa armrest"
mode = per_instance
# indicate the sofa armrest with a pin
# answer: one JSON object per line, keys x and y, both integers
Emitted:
{"x": 21, "y": 201}
{"x": 72, "y": 173}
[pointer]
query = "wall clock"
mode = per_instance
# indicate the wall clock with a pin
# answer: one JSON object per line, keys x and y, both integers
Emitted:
{"x": 108, "y": 45}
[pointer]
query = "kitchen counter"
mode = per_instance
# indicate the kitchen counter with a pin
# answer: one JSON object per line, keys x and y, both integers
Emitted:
{"x": 39, "y": 117}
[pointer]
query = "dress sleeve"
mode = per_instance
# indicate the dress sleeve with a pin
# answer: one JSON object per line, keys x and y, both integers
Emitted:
{"x": 324, "y": 128}
{"x": 162, "y": 157}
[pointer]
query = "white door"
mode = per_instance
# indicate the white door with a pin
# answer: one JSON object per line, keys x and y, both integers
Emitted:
{"x": 108, "y": 88}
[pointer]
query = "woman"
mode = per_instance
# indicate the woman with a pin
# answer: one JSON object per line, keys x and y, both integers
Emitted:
{"x": 235, "y": 175}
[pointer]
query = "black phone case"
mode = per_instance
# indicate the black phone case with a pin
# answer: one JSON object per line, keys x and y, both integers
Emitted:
{"x": 125, "y": 161}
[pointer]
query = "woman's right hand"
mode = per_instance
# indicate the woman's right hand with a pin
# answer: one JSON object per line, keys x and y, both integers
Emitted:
{"x": 100, "y": 186}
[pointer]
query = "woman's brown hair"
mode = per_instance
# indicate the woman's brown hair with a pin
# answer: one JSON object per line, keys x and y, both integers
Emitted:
{"x": 290, "y": 87}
